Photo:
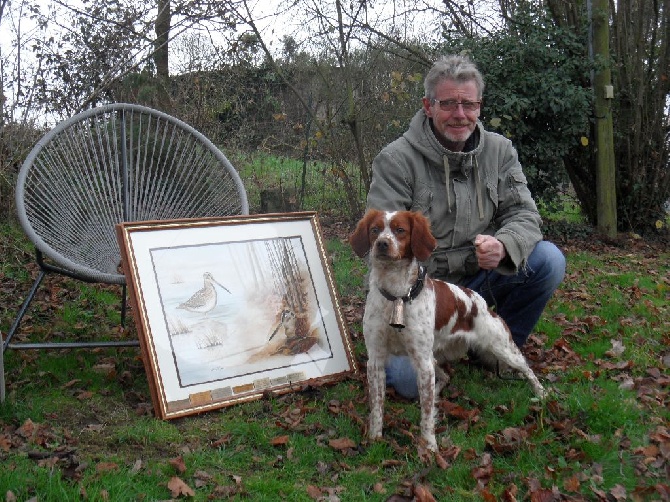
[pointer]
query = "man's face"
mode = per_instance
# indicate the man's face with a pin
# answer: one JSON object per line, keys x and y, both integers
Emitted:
{"x": 453, "y": 126}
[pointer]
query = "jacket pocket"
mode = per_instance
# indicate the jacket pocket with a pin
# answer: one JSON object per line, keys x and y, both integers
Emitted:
{"x": 422, "y": 200}
{"x": 515, "y": 183}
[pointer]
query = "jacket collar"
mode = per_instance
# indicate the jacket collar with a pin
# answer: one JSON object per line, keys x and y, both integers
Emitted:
{"x": 421, "y": 137}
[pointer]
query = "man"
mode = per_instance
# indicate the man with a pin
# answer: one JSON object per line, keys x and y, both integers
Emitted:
{"x": 469, "y": 183}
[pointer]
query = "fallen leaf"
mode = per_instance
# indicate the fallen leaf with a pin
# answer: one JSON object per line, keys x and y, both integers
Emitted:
{"x": 334, "y": 406}
{"x": 49, "y": 462}
{"x": 618, "y": 492}
{"x": 27, "y": 429}
{"x": 177, "y": 487}
{"x": 616, "y": 350}
{"x": 627, "y": 384}
{"x": 106, "y": 467}
{"x": 572, "y": 484}
{"x": 507, "y": 440}
{"x": 487, "y": 496}
{"x": 484, "y": 471}
{"x": 5, "y": 442}
{"x": 178, "y": 464}
{"x": 423, "y": 494}
{"x": 314, "y": 492}
{"x": 510, "y": 493}
{"x": 441, "y": 462}
{"x": 457, "y": 411}
{"x": 203, "y": 475}
{"x": 341, "y": 444}
{"x": 222, "y": 441}
{"x": 279, "y": 440}
{"x": 450, "y": 453}
{"x": 107, "y": 369}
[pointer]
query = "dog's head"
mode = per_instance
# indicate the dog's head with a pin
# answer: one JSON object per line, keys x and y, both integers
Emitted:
{"x": 393, "y": 235}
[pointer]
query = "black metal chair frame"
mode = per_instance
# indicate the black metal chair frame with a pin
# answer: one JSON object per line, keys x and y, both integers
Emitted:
{"x": 115, "y": 163}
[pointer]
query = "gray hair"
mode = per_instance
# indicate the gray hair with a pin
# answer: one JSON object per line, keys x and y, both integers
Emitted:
{"x": 454, "y": 67}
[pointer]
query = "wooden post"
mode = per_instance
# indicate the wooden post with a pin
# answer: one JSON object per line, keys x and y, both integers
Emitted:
{"x": 604, "y": 93}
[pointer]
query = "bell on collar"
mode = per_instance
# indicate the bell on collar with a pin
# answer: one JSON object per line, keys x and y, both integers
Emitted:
{"x": 398, "y": 314}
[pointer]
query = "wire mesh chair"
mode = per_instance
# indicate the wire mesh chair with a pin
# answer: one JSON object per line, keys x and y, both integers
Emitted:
{"x": 107, "y": 165}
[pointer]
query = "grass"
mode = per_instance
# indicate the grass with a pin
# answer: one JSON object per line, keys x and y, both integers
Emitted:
{"x": 325, "y": 184}
{"x": 77, "y": 424}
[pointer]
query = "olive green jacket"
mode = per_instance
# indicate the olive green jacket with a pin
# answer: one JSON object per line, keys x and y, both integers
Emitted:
{"x": 463, "y": 194}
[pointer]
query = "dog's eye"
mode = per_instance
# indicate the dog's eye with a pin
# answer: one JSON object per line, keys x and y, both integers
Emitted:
{"x": 374, "y": 231}
{"x": 400, "y": 230}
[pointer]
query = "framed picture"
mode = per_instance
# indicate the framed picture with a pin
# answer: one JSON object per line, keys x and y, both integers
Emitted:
{"x": 230, "y": 308}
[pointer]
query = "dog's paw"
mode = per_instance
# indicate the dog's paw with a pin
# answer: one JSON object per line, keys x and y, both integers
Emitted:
{"x": 426, "y": 450}
{"x": 375, "y": 433}
{"x": 428, "y": 443}
{"x": 375, "y": 426}
{"x": 541, "y": 393}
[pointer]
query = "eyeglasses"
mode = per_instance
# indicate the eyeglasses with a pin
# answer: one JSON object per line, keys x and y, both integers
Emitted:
{"x": 451, "y": 105}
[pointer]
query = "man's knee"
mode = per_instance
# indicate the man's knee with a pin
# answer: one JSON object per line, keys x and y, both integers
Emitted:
{"x": 401, "y": 375}
{"x": 548, "y": 263}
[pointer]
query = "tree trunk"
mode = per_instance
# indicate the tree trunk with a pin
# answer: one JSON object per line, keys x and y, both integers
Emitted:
{"x": 604, "y": 94}
{"x": 163, "y": 19}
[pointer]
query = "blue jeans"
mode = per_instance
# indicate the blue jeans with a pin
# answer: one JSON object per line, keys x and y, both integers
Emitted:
{"x": 519, "y": 299}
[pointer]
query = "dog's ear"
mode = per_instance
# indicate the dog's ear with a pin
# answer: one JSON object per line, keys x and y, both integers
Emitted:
{"x": 360, "y": 238}
{"x": 423, "y": 242}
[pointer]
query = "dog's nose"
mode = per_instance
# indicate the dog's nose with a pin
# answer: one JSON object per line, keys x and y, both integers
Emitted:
{"x": 382, "y": 246}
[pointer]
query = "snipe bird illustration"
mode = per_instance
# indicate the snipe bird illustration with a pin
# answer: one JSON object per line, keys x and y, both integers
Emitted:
{"x": 204, "y": 299}
{"x": 287, "y": 320}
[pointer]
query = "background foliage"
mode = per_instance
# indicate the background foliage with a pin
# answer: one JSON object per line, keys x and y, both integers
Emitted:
{"x": 538, "y": 95}
{"x": 344, "y": 84}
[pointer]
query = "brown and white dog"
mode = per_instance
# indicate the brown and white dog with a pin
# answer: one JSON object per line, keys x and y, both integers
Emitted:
{"x": 409, "y": 313}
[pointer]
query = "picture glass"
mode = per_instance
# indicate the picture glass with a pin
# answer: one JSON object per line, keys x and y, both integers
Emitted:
{"x": 233, "y": 308}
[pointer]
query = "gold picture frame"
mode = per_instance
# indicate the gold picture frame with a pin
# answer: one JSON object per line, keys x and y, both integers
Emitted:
{"x": 230, "y": 308}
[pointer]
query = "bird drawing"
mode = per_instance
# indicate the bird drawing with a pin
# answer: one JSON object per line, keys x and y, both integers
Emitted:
{"x": 287, "y": 320}
{"x": 204, "y": 299}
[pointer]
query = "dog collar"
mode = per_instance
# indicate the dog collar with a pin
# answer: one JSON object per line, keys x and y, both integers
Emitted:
{"x": 413, "y": 291}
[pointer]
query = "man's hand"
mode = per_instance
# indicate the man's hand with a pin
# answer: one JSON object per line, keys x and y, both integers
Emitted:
{"x": 490, "y": 251}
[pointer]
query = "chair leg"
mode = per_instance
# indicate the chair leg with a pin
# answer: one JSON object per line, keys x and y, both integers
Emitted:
{"x": 12, "y": 330}
{"x": 124, "y": 305}
{"x": 24, "y": 307}
{"x": 2, "y": 371}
